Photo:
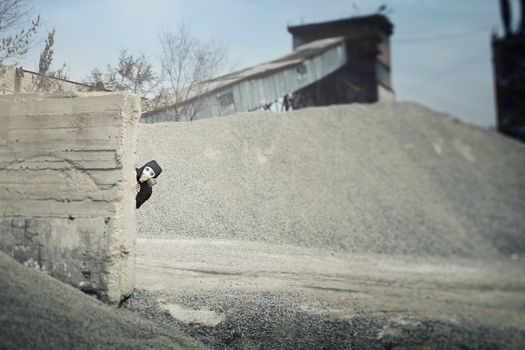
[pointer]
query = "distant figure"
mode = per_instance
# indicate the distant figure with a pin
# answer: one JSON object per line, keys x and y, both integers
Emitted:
{"x": 146, "y": 179}
{"x": 287, "y": 102}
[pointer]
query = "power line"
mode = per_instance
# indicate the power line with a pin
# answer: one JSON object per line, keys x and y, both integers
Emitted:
{"x": 442, "y": 37}
{"x": 447, "y": 72}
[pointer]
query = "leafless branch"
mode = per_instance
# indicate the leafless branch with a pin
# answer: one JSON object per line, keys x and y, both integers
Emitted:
{"x": 132, "y": 73}
{"x": 16, "y": 30}
{"x": 186, "y": 64}
{"x": 46, "y": 80}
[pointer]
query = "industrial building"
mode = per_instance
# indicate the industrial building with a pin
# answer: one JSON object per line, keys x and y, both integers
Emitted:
{"x": 340, "y": 61}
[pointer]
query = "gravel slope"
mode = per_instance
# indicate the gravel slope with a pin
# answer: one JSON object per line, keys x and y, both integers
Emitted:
{"x": 39, "y": 312}
{"x": 392, "y": 178}
{"x": 385, "y": 226}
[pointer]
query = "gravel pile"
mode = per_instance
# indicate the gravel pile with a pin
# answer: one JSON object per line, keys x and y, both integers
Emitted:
{"x": 391, "y": 178}
{"x": 39, "y": 312}
{"x": 268, "y": 321}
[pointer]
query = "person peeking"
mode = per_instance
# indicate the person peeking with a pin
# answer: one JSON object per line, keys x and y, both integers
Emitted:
{"x": 146, "y": 179}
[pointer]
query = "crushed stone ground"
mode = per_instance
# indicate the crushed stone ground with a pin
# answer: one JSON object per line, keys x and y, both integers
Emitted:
{"x": 383, "y": 226}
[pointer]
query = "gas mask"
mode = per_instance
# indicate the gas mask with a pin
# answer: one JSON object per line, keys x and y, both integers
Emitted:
{"x": 148, "y": 177}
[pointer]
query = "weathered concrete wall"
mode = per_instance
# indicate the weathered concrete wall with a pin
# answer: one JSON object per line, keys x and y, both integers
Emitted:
{"x": 66, "y": 187}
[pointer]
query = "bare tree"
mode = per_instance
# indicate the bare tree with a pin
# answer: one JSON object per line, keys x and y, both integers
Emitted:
{"x": 46, "y": 57}
{"x": 47, "y": 79}
{"x": 187, "y": 65}
{"x": 16, "y": 29}
{"x": 132, "y": 73}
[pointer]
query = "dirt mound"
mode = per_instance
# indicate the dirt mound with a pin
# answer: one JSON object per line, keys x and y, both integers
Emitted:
{"x": 392, "y": 178}
{"x": 39, "y": 312}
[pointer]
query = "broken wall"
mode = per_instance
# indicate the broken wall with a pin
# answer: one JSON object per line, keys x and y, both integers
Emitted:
{"x": 17, "y": 80}
{"x": 67, "y": 181}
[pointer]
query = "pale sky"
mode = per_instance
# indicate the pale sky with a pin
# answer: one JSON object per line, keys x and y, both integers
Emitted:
{"x": 441, "y": 55}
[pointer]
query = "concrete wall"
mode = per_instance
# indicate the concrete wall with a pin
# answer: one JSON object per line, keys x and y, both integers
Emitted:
{"x": 17, "y": 80}
{"x": 66, "y": 187}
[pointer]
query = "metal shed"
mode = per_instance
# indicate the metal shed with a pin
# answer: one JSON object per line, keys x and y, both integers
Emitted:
{"x": 251, "y": 88}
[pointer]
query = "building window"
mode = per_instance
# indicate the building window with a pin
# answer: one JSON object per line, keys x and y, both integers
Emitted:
{"x": 225, "y": 99}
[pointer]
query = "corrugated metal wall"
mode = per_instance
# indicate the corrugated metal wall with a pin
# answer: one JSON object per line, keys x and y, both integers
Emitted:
{"x": 251, "y": 93}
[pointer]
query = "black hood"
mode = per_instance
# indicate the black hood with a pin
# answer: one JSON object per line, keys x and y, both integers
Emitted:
{"x": 153, "y": 165}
